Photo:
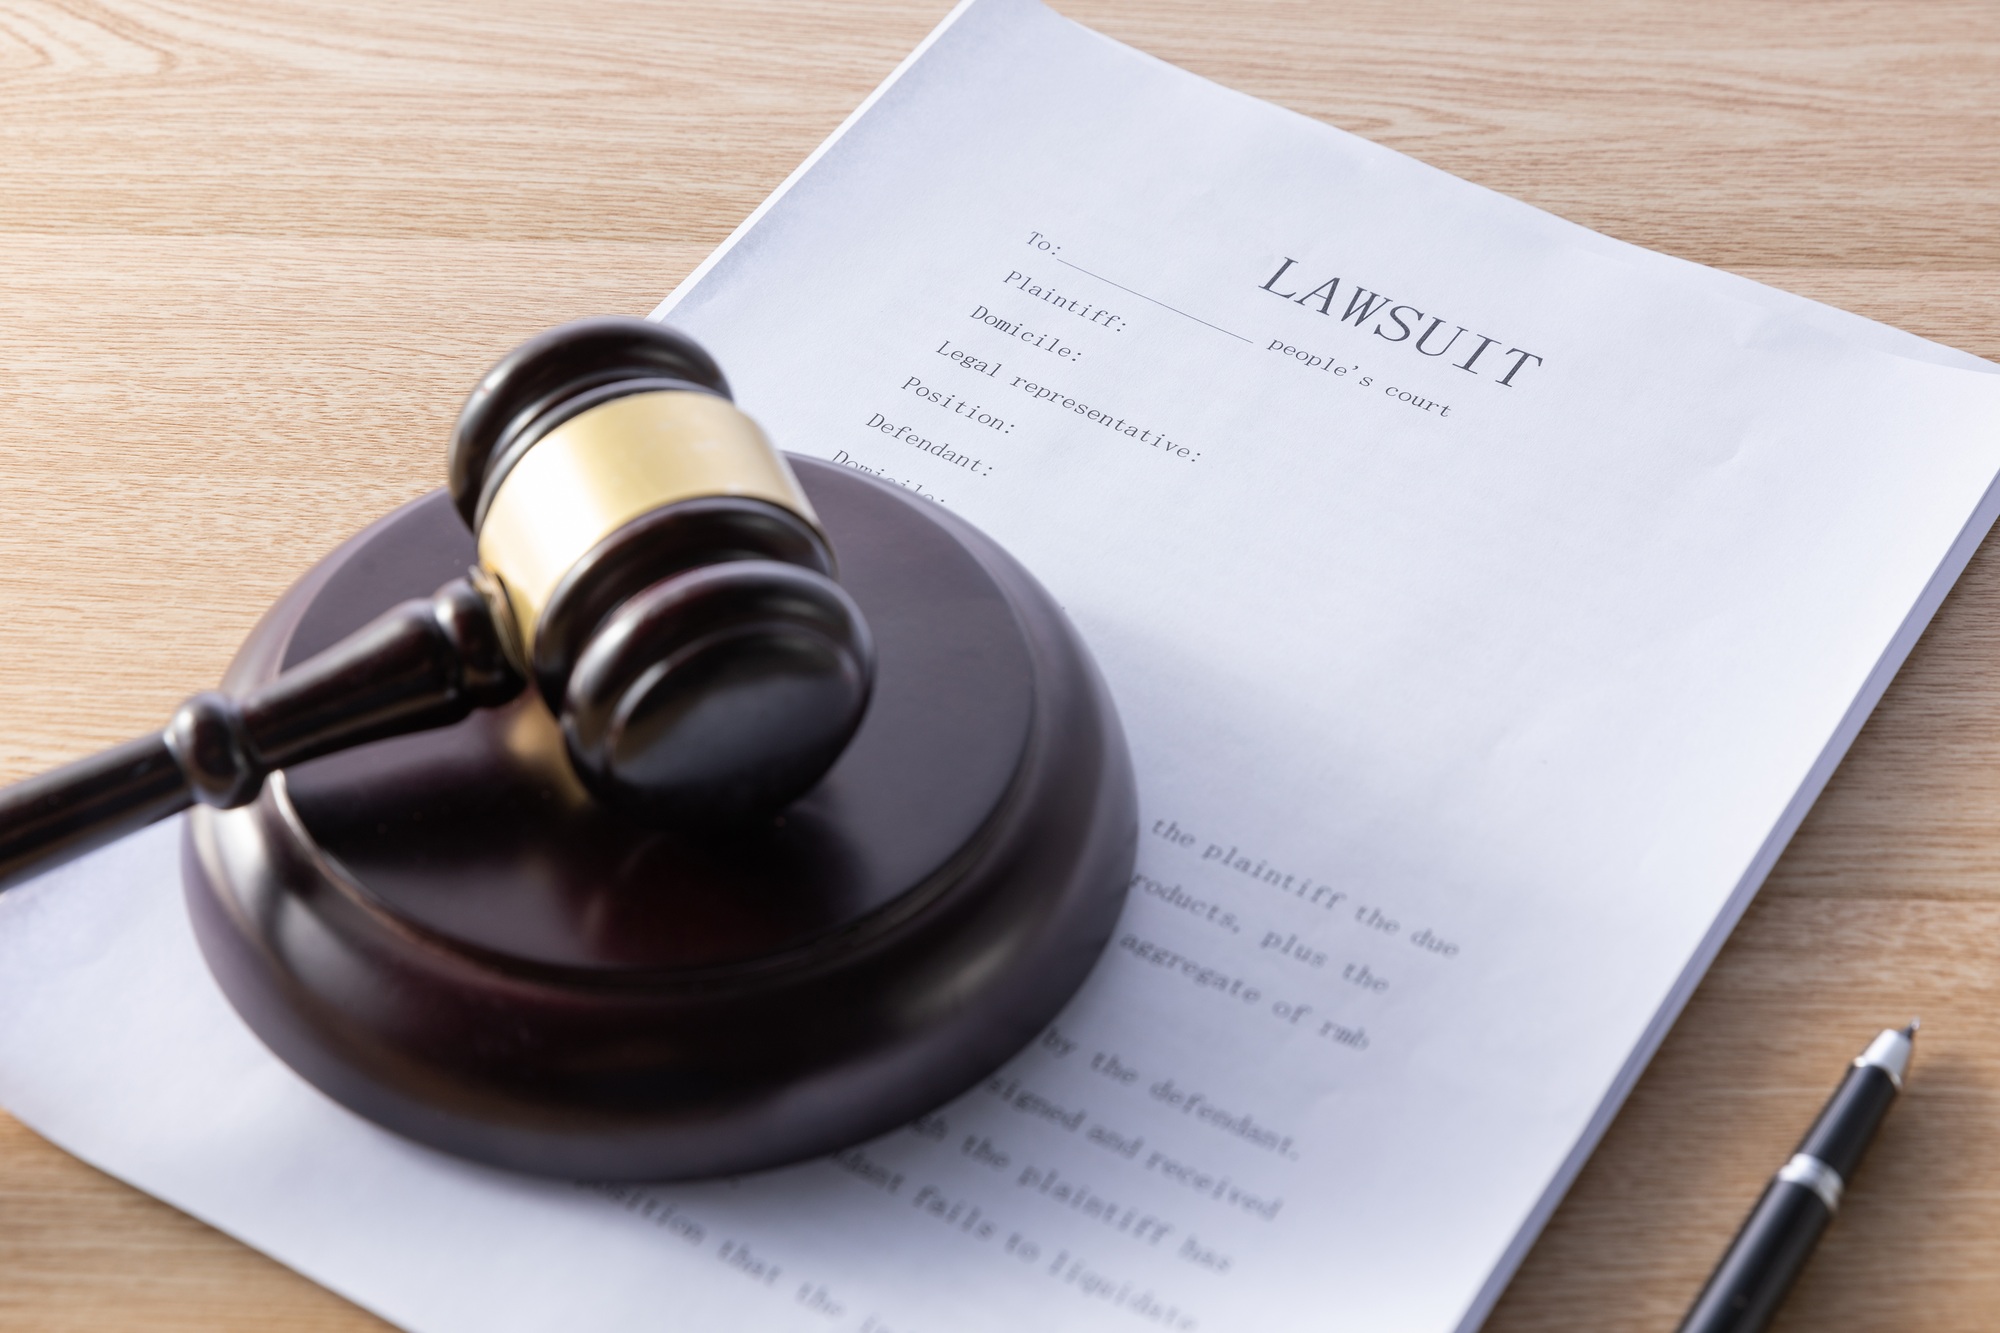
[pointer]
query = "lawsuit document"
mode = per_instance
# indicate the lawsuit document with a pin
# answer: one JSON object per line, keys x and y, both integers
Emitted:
{"x": 1486, "y": 601}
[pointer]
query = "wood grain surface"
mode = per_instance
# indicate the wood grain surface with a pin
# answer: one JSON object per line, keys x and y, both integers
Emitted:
{"x": 253, "y": 255}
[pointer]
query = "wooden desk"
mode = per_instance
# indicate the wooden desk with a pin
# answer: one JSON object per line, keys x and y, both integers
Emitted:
{"x": 252, "y": 256}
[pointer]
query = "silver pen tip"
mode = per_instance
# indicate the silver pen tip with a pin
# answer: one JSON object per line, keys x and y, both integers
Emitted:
{"x": 1890, "y": 1053}
{"x": 1911, "y": 1030}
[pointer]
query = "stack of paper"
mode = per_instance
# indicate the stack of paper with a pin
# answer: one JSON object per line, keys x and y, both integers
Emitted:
{"x": 1486, "y": 601}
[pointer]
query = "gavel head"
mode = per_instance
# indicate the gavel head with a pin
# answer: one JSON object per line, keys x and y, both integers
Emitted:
{"x": 658, "y": 574}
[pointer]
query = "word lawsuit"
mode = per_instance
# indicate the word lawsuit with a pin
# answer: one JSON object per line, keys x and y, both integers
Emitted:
{"x": 1364, "y": 307}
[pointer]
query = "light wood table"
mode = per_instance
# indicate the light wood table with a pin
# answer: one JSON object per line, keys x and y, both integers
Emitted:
{"x": 252, "y": 256}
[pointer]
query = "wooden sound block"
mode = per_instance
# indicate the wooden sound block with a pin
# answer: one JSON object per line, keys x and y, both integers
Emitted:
{"x": 446, "y": 934}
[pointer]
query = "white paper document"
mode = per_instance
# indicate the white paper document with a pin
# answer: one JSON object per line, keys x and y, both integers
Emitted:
{"x": 1486, "y": 602}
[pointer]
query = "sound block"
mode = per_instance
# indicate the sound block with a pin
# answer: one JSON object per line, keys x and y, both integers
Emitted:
{"x": 446, "y": 934}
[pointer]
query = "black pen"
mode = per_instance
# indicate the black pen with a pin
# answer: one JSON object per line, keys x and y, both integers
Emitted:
{"x": 1778, "y": 1236}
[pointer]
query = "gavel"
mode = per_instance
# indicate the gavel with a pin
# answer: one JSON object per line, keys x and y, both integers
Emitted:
{"x": 635, "y": 852}
{"x": 647, "y": 560}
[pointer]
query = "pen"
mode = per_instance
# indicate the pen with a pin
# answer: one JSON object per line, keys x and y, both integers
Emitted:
{"x": 1778, "y": 1236}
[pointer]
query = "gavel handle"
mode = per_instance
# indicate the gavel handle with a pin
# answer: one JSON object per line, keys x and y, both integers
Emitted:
{"x": 426, "y": 663}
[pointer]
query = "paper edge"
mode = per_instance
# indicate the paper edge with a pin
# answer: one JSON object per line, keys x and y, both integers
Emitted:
{"x": 743, "y": 228}
{"x": 173, "y": 832}
{"x": 1942, "y": 580}
{"x": 310, "y": 1271}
